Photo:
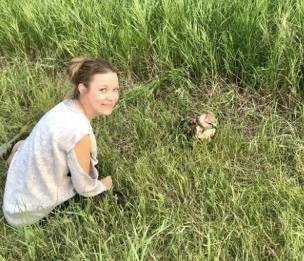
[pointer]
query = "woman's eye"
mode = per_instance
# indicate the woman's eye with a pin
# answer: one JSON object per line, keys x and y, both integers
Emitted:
{"x": 103, "y": 90}
{"x": 116, "y": 89}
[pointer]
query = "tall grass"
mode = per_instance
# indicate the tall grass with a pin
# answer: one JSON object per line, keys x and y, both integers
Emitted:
{"x": 253, "y": 42}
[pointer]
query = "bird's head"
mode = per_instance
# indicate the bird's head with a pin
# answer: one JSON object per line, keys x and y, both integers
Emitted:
{"x": 207, "y": 120}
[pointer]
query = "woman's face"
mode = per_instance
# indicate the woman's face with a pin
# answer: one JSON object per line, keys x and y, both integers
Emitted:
{"x": 102, "y": 94}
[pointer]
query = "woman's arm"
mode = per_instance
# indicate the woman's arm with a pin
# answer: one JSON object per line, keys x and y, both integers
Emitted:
{"x": 82, "y": 150}
{"x": 83, "y": 174}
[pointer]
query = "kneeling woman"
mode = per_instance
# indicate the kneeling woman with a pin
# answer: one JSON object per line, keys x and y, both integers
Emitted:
{"x": 58, "y": 158}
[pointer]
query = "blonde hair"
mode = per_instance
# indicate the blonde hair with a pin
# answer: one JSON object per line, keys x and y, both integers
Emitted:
{"x": 81, "y": 70}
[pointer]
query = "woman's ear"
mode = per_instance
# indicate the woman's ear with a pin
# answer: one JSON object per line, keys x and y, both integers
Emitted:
{"x": 82, "y": 88}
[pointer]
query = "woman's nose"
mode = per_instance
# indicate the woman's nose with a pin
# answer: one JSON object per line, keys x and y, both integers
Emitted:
{"x": 112, "y": 97}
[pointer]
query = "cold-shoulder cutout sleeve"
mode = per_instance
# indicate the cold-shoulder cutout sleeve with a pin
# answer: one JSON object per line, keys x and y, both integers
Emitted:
{"x": 84, "y": 184}
{"x": 74, "y": 137}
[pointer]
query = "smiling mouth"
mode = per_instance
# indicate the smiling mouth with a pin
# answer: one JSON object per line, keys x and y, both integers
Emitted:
{"x": 107, "y": 106}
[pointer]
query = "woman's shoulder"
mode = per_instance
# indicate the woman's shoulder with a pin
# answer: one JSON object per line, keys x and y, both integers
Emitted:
{"x": 63, "y": 124}
{"x": 67, "y": 114}
{"x": 63, "y": 119}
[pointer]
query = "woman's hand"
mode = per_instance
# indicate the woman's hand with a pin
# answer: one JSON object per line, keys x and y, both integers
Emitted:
{"x": 107, "y": 181}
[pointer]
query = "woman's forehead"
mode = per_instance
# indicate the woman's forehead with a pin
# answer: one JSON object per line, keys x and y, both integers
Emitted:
{"x": 104, "y": 79}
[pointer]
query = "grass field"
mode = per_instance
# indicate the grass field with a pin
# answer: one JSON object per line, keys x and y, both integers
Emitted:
{"x": 239, "y": 197}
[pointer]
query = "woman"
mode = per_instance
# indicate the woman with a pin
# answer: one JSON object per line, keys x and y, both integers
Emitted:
{"x": 57, "y": 160}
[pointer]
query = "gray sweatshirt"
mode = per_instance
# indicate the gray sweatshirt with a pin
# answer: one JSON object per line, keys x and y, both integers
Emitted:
{"x": 44, "y": 172}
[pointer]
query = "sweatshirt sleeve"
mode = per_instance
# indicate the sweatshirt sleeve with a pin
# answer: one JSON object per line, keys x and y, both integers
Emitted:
{"x": 84, "y": 184}
{"x": 74, "y": 129}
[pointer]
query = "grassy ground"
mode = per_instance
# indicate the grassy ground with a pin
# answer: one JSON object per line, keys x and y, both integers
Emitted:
{"x": 239, "y": 197}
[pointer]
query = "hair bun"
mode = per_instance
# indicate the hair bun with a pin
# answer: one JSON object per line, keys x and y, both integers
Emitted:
{"x": 74, "y": 66}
